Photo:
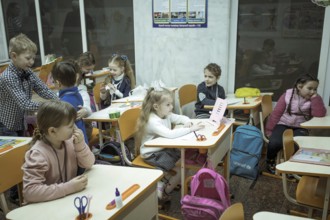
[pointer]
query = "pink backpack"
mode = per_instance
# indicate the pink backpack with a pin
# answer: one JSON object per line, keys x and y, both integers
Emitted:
{"x": 209, "y": 196}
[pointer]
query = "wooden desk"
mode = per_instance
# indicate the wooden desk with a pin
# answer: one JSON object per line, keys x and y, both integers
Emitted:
{"x": 218, "y": 146}
{"x": 139, "y": 98}
{"x": 252, "y": 105}
{"x": 102, "y": 181}
{"x": 312, "y": 142}
{"x": 275, "y": 216}
{"x": 95, "y": 77}
{"x": 11, "y": 161}
{"x": 290, "y": 167}
{"x": 318, "y": 122}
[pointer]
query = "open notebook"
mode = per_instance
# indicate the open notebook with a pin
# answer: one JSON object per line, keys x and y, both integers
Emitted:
{"x": 311, "y": 155}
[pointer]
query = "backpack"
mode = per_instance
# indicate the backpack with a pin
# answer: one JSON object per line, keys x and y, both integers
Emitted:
{"x": 209, "y": 196}
{"x": 111, "y": 152}
{"x": 246, "y": 152}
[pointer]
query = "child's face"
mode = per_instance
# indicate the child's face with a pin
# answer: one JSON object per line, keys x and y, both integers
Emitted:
{"x": 209, "y": 78}
{"x": 65, "y": 132}
{"x": 24, "y": 60}
{"x": 115, "y": 70}
{"x": 308, "y": 89}
{"x": 165, "y": 108}
{"x": 87, "y": 69}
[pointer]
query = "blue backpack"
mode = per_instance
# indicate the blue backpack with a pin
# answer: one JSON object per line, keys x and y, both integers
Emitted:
{"x": 246, "y": 152}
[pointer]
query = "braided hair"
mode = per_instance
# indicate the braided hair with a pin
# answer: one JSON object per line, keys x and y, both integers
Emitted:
{"x": 302, "y": 80}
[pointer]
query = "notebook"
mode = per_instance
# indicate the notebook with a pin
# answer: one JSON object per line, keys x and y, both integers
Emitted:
{"x": 311, "y": 155}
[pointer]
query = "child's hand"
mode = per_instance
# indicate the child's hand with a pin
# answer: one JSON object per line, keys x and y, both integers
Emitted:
{"x": 197, "y": 127}
{"x": 78, "y": 135}
{"x": 102, "y": 88}
{"x": 82, "y": 113}
{"x": 79, "y": 183}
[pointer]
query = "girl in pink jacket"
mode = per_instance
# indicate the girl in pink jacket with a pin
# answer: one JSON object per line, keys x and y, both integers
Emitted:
{"x": 51, "y": 165}
{"x": 294, "y": 107}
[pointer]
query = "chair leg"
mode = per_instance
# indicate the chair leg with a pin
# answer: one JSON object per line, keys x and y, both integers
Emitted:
{"x": 3, "y": 203}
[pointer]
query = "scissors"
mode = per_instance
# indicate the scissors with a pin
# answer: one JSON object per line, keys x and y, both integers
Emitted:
{"x": 80, "y": 203}
{"x": 200, "y": 137}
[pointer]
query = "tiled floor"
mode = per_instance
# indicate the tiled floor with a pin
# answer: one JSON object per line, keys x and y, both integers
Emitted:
{"x": 266, "y": 195}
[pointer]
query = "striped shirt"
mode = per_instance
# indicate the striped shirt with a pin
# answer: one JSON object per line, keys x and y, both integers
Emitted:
{"x": 16, "y": 86}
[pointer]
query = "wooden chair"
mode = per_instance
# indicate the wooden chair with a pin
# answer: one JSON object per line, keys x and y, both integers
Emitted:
{"x": 187, "y": 94}
{"x": 3, "y": 67}
{"x": 310, "y": 190}
{"x": 11, "y": 173}
{"x": 127, "y": 129}
{"x": 45, "y": 70}
{"x": 233, "y": 212}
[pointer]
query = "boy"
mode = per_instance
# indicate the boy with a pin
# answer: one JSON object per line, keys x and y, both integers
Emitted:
{"x": 16, "y": 85}
{"x": 65, "y": 75}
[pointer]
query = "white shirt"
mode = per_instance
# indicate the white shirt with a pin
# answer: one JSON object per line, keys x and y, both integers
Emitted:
{"x": 85, "y": 96}
{"x": 158, "y": 127}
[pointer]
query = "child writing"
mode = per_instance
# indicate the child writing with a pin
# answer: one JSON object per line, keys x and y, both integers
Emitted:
{"x": 119, "y": 82}
{"x": 65, "y": 74}
{"x": 209, "y": 90}
{"x": 294, "y": 107}
{"x": 58, "y": 148}
{"x": 155, "y": 121}
{"x": 16, "y": 85}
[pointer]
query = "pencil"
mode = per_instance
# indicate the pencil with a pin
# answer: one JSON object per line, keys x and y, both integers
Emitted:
{"x": 195, "y": 134}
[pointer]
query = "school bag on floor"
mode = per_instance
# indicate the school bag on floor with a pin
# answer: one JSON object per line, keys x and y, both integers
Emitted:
{"x": 111, "y": 152}
{"x": 209, "y": 196}
{"x": 246, "y": 152}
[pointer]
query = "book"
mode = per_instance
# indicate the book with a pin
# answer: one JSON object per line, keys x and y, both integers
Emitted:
{"x": 6, "y": 142}
{"x": 311, "y": 155}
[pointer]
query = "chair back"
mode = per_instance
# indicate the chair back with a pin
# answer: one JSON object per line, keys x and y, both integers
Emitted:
{"x": 127, "y": 123}
{"x": 233, "y": 212}
{"x": 187, "y": 94}
{"x": 288, "y": 144}
{"x": 96, "y": 94}
{"x": 266, "y": 110}
{"x": 45, "y": 70}
{"x": 3, "y": 67}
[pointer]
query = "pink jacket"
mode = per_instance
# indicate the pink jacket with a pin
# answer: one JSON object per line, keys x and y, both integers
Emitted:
{"x": 42, "y": 177}
{"x": 299, "y": 107}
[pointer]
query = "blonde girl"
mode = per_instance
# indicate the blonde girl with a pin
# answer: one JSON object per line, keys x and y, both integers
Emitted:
{"x": 156, "y": 120}
{"x": 51, "y": 165}
{"x": 119, "y": 82}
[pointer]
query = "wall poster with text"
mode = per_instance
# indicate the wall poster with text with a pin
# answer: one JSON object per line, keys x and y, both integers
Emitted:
{"x": 179, "y": 13}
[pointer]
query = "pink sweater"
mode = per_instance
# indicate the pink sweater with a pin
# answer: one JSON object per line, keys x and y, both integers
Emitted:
{"x": 42, "y": 177}
{"x": 280, "y": 115}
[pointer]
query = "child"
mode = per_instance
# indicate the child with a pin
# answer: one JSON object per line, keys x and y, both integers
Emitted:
{"x": 65, "y": 74}
{"x": 86, "y": 62}
{"x": 16, "y": 85}
{"x": 294, "y": 107}
{"x": 209, "y": 90}
{"x": 120, "y": 81}
{"x": 50, "y": 168}
{"x": 260, "y": 68}
{"x": 155, "y": 121}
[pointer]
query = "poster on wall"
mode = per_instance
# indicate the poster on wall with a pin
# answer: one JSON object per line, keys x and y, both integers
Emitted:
{"x": 179, "y": 13}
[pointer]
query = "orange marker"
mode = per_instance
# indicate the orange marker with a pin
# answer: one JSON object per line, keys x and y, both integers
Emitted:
{"x": 124, "y": 195}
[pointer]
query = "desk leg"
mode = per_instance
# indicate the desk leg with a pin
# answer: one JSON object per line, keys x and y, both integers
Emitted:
{"x": 99, "y": 124}
{"x": 183, "y": 175}
{"x": 326, "y": 200}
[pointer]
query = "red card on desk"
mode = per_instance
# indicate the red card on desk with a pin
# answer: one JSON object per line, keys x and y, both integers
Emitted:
{"x": 218, "y": 111}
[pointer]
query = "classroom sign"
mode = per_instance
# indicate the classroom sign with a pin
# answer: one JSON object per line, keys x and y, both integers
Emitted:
{"x": 179, "y": 13}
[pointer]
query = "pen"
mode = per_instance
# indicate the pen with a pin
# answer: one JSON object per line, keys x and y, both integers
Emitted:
{"x": 88, "y": 204}
{"x": 195, "y": 134}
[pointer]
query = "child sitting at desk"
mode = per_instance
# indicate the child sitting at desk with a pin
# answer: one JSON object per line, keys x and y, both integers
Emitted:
{"x": 65, "y": 75}
{"x": 294, "y": 107}
{"x": 50, "y": 168}
{"x": 119, "y": 82}
{"x": 155, "y": 121}
{"x": 209, "y": 90}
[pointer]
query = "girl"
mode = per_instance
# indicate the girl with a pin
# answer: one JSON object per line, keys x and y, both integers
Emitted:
{"x": 294, "y": 107}
{"x": 120, "y": 81}
{"x": 209, "y": 90}
{"x": 50, "y": 168}
{"x": 155, "y": 121}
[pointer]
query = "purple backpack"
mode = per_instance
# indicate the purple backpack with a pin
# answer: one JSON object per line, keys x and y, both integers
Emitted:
{"x": 209, "y": 196}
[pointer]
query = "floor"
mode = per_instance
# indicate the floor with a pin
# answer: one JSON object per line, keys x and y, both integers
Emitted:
{"x": 265, "y": 195}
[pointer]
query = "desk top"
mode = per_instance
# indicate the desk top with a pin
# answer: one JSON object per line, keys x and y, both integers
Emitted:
{"x": 312, "y": 142}
{"x": 103, "y": 115}
{"x": 102, "y": 181}
{"x": 275, "y": 216}
{"x": 97, "y": 73}
{"x": 318, "y": 122}
{"x": 189, "y": 140}
{"x": 22, "y": 141}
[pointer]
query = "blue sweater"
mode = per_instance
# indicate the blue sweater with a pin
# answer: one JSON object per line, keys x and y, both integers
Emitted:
{"x": 72, "y": 96}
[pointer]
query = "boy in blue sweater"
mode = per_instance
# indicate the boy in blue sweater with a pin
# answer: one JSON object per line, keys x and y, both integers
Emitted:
{"x": 65, "y": 75}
